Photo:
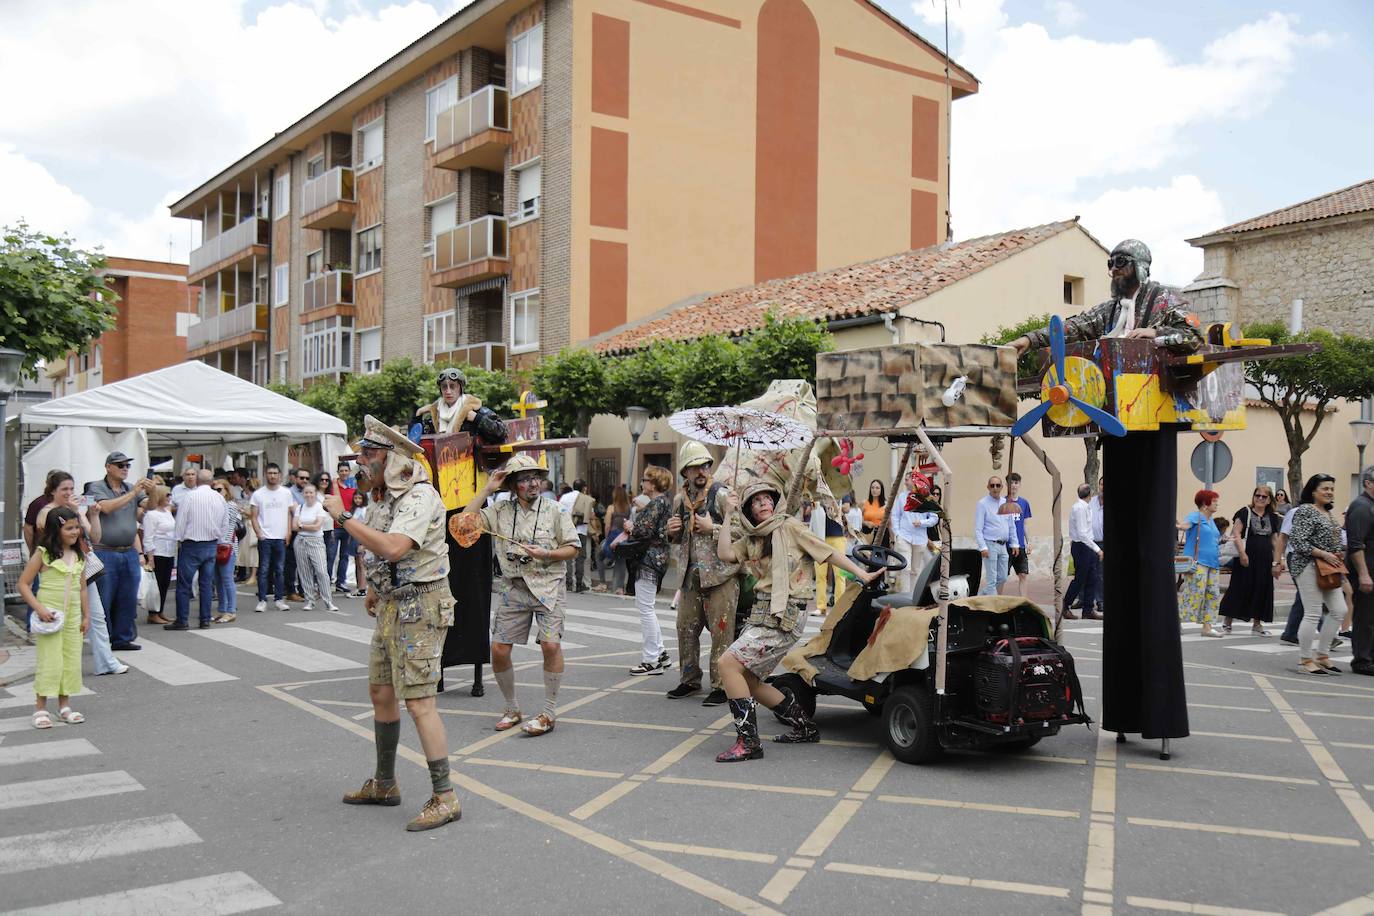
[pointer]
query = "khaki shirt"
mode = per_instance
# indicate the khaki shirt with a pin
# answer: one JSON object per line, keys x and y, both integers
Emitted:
{"x": 698, "y": 551}
{"x": 543, "y": 525}
{"x": 805, "y": 552}
{"x": 419, "y": 514}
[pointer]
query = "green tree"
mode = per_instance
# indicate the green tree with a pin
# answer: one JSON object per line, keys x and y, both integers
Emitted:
{"x": 643, "y": 379}
{"x": 782, "y": 348}
{"x": 324, "y": 395}
{"x": 496, "y": 390}
{"x": 574, "y": 384}
{"x": 1301, "y": 388}
{"x": 52, "y": 298}
{"x": 391, "y": 395}
{"x": 709, "y": 373}
{"x": 286, "y": 390}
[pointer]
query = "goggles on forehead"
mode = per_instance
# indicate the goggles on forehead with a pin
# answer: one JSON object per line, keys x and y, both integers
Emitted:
{"x": 452, "y": 375}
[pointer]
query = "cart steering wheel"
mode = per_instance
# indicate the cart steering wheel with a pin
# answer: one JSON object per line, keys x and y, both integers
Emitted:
{"x": 875, "y": 556}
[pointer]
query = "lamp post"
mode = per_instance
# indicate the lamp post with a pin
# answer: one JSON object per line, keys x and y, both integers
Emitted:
{"x": 10, "y": 363}
{"x": 638, "y": 418}
{"x": 1361, "y": 430}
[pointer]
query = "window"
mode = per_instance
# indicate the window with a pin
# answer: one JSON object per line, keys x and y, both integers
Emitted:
{"x": 370, "y": 350}
{"x": 97, "y": 357}
{"x": 443, "y": 216}
{"x": 527, "y": 58}
{"x": 314, "y": 168}
{"x": 524, "y": 321}
{"x": 1073, "y": 290}
{"x": 281, "y": 195}
{"x": 327, "y": 346}
{"x": 370, "y": 142}
{"x": 314, "y": 263}
{"x": 281, "y": 284}
{"x": 438, "y": 335}
{"x": 527, "y": 179}
{"x": 369, "y": 253}
{"x": 444, "y": 95}
{"x": 281, "y": 367}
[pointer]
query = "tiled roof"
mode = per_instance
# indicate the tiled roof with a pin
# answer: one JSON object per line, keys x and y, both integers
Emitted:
{"x": 1355, "y": 199}
{"x": 868, "y": 288}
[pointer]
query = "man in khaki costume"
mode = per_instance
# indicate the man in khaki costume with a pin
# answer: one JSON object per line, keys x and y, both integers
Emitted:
{"x": 541, "y": 539}
{"x": 407, "y": 591}
{"x": 710, "y": 588}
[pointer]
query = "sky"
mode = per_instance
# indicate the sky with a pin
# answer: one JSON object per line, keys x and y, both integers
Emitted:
{"x": 1158, "y": 121}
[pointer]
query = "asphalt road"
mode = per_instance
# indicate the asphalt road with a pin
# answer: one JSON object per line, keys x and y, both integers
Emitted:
{"x": 207, "y": 780}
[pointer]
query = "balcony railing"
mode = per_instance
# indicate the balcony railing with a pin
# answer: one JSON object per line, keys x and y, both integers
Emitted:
{"x": 322, "y": 193}
{"x": 250, "y": 232}
{"x": 481, "y": 239}
{"x": 490, "y": 355}
{"x": 333, "y": 287}
{"x": 485, "y": 109}
{"x": 226, "y": 326}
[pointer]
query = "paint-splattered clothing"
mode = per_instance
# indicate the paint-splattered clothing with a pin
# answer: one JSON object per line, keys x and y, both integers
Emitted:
{"x": 1156, "y": 306}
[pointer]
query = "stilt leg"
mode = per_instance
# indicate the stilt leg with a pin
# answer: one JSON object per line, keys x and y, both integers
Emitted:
{"x": 1120, "y": 737}
{"x": 1164, "y": 749}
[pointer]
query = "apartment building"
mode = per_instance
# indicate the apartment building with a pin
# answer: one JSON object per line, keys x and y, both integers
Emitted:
{"x": 156, "y": 315}
{"x": 529, "y": 175}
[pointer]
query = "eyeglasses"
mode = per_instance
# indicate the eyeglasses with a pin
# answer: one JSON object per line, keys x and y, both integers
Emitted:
{"x": 1119, "y": 260}
{"x": 994, "y": 486}
{"x": 123, "y": 465}
{"x": 1261, "y": 496}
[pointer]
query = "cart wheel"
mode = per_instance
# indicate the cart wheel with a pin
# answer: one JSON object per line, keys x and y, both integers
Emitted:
{"x": 1020, "y": 744}
{"x": 909, "y": 725}
{"x": 804, "y": 692}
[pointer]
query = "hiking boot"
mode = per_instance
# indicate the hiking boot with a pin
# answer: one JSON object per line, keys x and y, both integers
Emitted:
{"x": 747, "y": 745}
{"x": 375, "y": 793}
{"x": 438, "y": 811}
{"x": 715, "y": 698}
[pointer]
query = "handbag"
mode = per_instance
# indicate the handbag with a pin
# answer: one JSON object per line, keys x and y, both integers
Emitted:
{"x": 95, "y": 568}
{"x": 59, "y": 615}
{"x": 631, "y": 548}
{"x": 1330, "y": 575}
{"x": 223, "y": 553}
{"x": 1184, "y": 564}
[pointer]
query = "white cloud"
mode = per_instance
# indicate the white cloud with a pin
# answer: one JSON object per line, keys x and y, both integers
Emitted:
{"x": 1057, "y": 117}
{"x": 173, "y": 89}
{"x": 1065, "y": 13}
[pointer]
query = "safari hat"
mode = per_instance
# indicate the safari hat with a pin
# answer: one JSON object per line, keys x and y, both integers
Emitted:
{"x": 377, "y": 434}
{"x": 521, "y": 462}
{"x": 692, "y": 454}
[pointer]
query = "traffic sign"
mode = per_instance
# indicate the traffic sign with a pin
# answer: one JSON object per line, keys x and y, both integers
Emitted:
{"x": 1211, "y": 462}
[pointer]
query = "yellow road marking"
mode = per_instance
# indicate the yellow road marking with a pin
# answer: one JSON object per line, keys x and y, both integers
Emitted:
{"x": 544, "y": 767}
{"x": 1038, "y": 758}
{"x": 1244, "y": 831}
{"x": 815, "y": 845}
{"x": 781, "y": 885}
{"x": 1326, "y": 693}
{"x": 1239, "y": 737}
{"x": 1202, "y": 909}
{"x": 1360, "y": 906}
{"x": 1338, "y": 715}
{"x": 734, "y": 855}
{"x": 611, "y": 795}
{"x": 975, "y": 806}
{"x": 1194, "y": 771}
{"x": 747, "y": 786}
{"x": 1353, "y": 745}
{"x": 651, "y": 726}
{"x": 1016, "y": 887}
{"x": 875, "y": 773}
{"x": 1100, "y": 865}
{"x": 797, "y": 862}
{"x": 674, "y": 755}
{"x": 1228, "y": 708}
{"x": 626, "y": 853}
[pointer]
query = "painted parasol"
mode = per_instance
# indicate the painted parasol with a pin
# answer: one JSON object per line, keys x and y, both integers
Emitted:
{"x": 741, "y": 427}
{"x": 467, "y": 529}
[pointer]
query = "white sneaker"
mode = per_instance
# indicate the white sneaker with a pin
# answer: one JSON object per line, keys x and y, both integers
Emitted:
{"x": 283, "y": 606}
{"x": 260, "y": 606}
{"x": 309, "y": 606}
{"x": 334, "y": 609}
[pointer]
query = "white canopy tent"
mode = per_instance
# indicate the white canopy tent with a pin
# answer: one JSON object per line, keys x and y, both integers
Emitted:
{"x": 182, "y": 409}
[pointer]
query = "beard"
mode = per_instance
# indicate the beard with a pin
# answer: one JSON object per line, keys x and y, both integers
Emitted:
{"x": 1124, "y": 287}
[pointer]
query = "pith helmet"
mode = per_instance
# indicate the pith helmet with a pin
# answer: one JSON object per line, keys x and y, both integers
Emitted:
{"x": 377, "y": 434}
{"x": 691, "y": 455}
{"x": 522, "y": 462}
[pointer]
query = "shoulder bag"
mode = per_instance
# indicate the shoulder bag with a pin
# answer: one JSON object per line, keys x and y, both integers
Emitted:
{"x": 1330, "y": 575}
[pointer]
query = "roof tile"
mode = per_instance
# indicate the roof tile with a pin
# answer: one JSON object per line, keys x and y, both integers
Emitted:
{"x": 1355, "y": 199}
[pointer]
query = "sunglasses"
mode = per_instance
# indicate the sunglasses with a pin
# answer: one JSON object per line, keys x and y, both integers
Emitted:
{"x": 994, "y": 486}
{"x": 1261, "y": 496}
{"x": 122, "y": 465}
{"x": 1119, "y": 260}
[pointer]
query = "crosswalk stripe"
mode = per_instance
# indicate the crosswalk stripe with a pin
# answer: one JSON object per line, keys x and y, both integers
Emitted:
{"x": 609, "y": 632}
{"x": 23, "y": 696}
{"x": 346, "y": 631}
{"x": 171, "y": 667}
{"x": 220, "y": 895}
{"x": 66, "y": 788}
{"x": 534, "y": 647}
{"x": 282, "y": 651}
{"x": 76, "y": 845}
{"x": 1281, "y": 648}
{"x": 46, "y": 750}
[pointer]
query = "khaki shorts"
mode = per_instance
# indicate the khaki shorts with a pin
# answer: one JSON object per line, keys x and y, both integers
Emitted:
{"x": 519, "y": 611}
{"x": 408, "y": 641}
{"x": 760, "y": 649}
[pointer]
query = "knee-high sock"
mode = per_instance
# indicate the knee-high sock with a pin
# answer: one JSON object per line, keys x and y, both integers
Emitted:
{"x": 551, "y": 681}
{"x": 506, "y": 681}
{"x": 388, "y": 735}
{"x": 438, "y": 775}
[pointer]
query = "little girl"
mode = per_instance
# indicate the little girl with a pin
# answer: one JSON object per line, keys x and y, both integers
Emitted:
{"x": 62, "y": 562}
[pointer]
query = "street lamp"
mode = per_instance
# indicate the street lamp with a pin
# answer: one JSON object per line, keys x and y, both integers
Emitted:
{"x": 10, "y": 363}
{"x": 1361, "y": 430}
{"x": 638, "y": 418}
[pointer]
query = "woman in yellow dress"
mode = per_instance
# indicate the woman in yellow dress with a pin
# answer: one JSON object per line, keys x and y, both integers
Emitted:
{"x": 61, "y": 561}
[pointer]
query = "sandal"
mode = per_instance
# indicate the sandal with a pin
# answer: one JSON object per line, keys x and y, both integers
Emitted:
{"x": 226, "y": 618}
{"x": 1325, "y": 662}
{"x": 41, "y": 719}
{"x": 70, "y": 716}
{"x": 539, "y": 725}
{"x": 1260, "y": 631}
{"x": 509, "y": 721}
{"x": 1307, "y": 666}
{"x": 1213, "y": 634}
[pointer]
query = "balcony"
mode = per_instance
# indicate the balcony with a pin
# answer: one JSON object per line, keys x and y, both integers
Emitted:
{"x": 490, "y": 355}
{"x": 245, "y": 324}
{"x": 83, "y": 381}
{"x": 475, "y": 133}
{"x": 476, "y": 250}
{"x": 327, "y": 201}
{"x": 331, "y": 291}
{"x": 229, "y": 249}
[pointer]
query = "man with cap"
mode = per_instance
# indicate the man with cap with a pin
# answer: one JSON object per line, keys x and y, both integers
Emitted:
{"x": 542, "y": 539}
{"x": 710, "y": 587}
{"x": 407, "y": 591}
{"x": 118, "y": 587}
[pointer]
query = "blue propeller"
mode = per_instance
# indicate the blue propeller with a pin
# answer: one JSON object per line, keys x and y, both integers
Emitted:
{"x": 1060, "y": 393}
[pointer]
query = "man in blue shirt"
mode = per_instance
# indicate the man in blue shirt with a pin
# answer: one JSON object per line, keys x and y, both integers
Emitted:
{"x": 1019, "y": 556}
{"x": 995, "y": 535}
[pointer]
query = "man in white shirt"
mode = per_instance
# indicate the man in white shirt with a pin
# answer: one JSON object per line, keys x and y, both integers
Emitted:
{"x": 994, "y": 534}
{"x": 200, "y": 522}
{"x": 1087, "y": 558}
{"x": 581, "y": 507}
{"x": 912, "y": 540}
{"x": 188, "y": 483}
{"x": 270, "y": 514}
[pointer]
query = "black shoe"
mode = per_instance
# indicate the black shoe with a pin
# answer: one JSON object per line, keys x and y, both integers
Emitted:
{"x": 126, "y": 647}
{"x": 580, "y": 589}
{"x": 478, "y": 690}
{"x": 176, "y": 626}
{"x": 1346, "y": 634}
{"x": 204, "y": 625}
{"x": 1292, "y": 641}
{"x": 646, "y": 668}
{"x": 683, "y": 690}
{"x": 1362, "y": 669}
{"x": 714, "y": 698}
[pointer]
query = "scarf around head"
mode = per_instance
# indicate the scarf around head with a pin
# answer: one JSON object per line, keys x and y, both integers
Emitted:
{"x": 402, "y": 472}
{"x": 774, "y": 529}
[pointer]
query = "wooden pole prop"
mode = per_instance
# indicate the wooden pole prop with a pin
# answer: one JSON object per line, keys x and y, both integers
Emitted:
{"x": 901, "y": 472}
{"x": 947, "y": 544}
{"x": 794, "y": 487}
{"x": 1056, "y": 498}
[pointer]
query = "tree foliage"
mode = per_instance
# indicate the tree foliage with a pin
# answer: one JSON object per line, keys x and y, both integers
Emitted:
{"x": 1032, "y": 362}
{"x": 1301, "y": 388}
{"x": 782, "y": 348}
{"x": 710, "y": 372}
{"x": 644, "y": 379}
{"x": 495, "y": 390}
{"x": 51, "y": 297}
{"x": 574, "y": 384}
{"x": 391, "y": 395}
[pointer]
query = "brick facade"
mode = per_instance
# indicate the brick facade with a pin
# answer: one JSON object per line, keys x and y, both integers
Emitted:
{"x": 405, "y": 270}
